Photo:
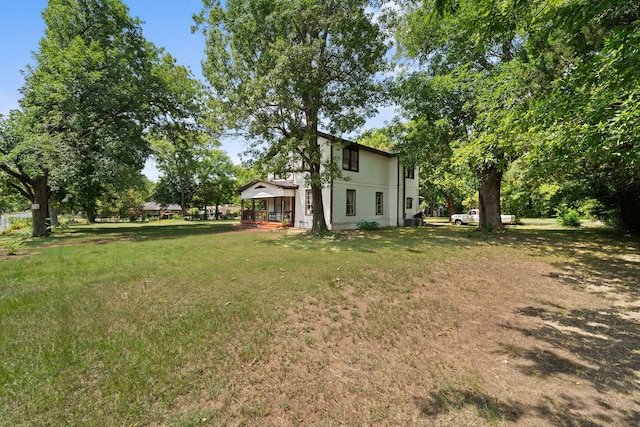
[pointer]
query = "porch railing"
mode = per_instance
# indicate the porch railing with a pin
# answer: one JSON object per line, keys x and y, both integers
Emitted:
{"x": 279, "y": 216}
{"x": 255, "y": 216}
{"x": 266, "y": 216}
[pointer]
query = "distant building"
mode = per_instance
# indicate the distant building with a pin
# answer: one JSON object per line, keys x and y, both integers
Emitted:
{"x": 154, "y": 210}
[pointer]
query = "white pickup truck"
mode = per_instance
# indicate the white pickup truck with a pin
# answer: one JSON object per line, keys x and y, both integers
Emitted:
{"x": 473, "y": 217}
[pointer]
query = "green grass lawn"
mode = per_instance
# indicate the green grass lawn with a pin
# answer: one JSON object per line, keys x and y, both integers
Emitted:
{"x": 156, "y": 324}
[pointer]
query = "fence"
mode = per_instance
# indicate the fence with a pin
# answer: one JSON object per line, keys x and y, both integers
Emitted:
{"x": 4, "y": 223}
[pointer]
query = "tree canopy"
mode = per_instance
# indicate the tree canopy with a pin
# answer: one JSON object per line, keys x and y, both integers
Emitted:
{"x": 541, "y": 93}
{"x": 284, "y": 69}
{"x": 85, "y": 105}
{"x": 550, "y": 83}
{"x": 95, "y": 90}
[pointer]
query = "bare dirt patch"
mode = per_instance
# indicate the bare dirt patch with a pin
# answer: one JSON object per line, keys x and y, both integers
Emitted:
{"x": 549, "y": 338}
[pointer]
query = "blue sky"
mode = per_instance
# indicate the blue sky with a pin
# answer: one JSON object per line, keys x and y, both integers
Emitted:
{"x": 167, "y": 23}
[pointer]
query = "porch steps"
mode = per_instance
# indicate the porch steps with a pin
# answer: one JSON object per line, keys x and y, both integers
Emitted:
{"x": 269, "y": 225}
{"x": 264, "y": 225}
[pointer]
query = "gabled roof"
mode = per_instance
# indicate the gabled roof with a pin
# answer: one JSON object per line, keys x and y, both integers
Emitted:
{"x": 260, "y": 189}
{"x": 346, "y": 143}
{"x": 280, "y": 183}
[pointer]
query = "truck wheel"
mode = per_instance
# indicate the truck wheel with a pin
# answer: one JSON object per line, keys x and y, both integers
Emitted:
{"x": 458, "y": 222}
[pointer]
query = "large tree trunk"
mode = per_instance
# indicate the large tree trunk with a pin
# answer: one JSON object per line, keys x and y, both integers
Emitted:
{"x": 183, "y": 200}
{"x": 319, "y": 222}
{"x": 628, "y": 208}
{"x": 91, "y": 211}
{"x": 451, "y": 205}
{"x": 489, "y": 198}
{"x": 40, "y": 210}
{"x": 53, "y": 214}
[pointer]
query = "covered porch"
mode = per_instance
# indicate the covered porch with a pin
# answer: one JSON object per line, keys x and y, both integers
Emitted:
{"x": 264, "y": 202}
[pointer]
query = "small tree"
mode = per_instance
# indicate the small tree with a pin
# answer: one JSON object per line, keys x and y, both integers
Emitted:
{"x": 215, "y": 179}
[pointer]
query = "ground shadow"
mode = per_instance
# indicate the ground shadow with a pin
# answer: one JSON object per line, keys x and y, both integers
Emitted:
{"x": 448, "y": 400}
{"x": 99, "y": 234}
{"x": 410, "y": 239}
{"x": 596, "y": 350}
{"x": 592, "y": 347}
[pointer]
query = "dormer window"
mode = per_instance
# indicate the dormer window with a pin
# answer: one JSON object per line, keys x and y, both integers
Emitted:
{"x": 350, "y": 158}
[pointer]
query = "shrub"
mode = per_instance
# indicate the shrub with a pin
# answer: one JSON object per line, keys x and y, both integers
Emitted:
{"x": 568, "y": 217}
{"x": 12, "y": 246}
{"x": 368, "y": 225}
{"x": 16, "y": 224}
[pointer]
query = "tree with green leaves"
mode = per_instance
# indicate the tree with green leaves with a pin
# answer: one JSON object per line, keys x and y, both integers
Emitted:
{"x": 215, "y": 180}
{"x": 180, "y": 135}
{"x": 284, "y": 69}
{"x": 126, "y": 203}
{"x": 465, "y": 42}
{"x": 439, "y": 114}
{"x": 588, "y": 106}
{"x": 86, "y": 102}
{"x": 571, "y": 89}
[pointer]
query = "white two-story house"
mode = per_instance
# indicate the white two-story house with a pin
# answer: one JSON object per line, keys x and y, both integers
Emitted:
{"x": 375, "y": 187}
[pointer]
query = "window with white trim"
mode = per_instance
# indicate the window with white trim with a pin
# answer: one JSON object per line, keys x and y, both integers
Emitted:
{"x": 409, "y": 204}
{"x": 379, "y": 203}
{"x": 409, "y": 172}
{"x": 350, "y": 157}
{"x": 351, "y": 202}
{"x": 308, "y": 197}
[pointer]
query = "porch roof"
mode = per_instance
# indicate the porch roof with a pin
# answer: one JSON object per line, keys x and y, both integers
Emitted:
{"x": 260, "y": 189}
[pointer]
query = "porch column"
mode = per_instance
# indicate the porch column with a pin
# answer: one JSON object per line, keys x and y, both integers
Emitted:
{"x": 293, "y": 211}
{"x": 253, "y": 210}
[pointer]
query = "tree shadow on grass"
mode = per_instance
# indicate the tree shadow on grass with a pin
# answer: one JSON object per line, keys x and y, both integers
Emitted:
{"x": 591, "y": 347}
{"x": 604, "y": 348}
{"x": 452, "y": 399}
{"x": 596, "y": 260}
{"x": 594, "y": 351}
{"x": 597, "y": 348}
{"x": 411, "y": 239}
{"x": 105, "y": 233}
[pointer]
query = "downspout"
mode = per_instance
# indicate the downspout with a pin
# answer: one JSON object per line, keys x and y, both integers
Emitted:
{"x": 398, "y": 194}
{"x": 404, "y": 195}
{"x": 331, "y": 189}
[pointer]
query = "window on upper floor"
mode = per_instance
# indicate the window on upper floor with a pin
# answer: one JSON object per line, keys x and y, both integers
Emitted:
{"x": 409, "y": 172}
{"x": 350, "y": 158}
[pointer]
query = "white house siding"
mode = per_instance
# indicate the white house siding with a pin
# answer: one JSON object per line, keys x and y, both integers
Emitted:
{"x": 412, "y": 190}
{"x": 377, "y": 173}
